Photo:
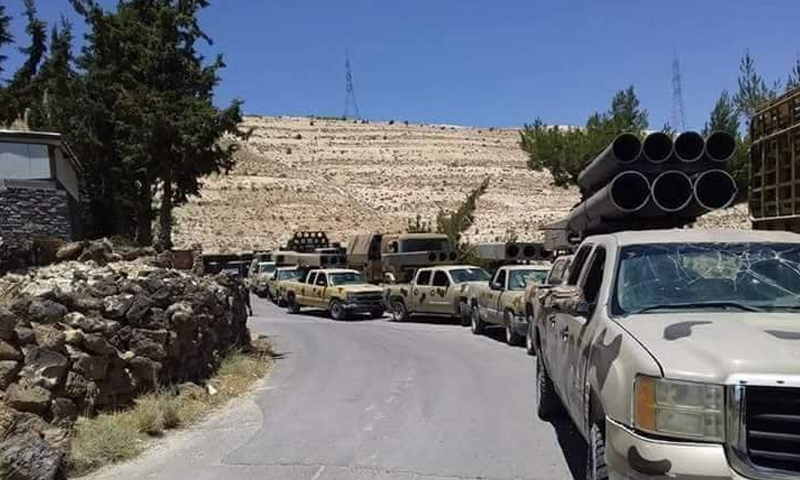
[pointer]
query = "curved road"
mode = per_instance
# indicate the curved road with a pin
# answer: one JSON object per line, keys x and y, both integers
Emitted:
{"x": 374, "y": 400}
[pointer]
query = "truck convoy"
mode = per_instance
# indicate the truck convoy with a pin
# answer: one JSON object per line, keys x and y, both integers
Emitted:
{"x": 396, "y": 257}
{"x": 341, "y": 292}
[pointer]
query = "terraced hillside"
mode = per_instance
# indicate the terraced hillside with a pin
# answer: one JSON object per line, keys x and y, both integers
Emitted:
{"x": 343, "y": 177}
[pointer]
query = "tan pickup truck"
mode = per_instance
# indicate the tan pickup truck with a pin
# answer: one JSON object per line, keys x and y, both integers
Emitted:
{"x": 438, "y": 291}
{"x": 676, "y": 354}
{"x": 342, "y": 292}
{"x": 275, "y": 282}
{"x": 500, "y": 301}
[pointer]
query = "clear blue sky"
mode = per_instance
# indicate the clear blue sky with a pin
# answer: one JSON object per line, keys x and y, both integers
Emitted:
{"x": 473, "y": 62}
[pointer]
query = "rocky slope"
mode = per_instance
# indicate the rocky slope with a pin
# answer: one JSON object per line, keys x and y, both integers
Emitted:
{"x": 346, "y": 177}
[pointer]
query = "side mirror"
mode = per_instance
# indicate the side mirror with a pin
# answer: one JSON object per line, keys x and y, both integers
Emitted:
{"x": 569, "y": 300}
{"x": 495, "y": 286}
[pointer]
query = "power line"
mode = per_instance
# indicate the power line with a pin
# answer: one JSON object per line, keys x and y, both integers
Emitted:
{"x": 350, "y": 102}
{"x": 678, "y": 111}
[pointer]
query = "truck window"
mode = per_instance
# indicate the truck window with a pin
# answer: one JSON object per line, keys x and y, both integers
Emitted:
{"x": 424, "y": 277}
{"x": 499, "y": 281}
{"x": 594, "y": 278}
{"x": 322, "y": 280}
{"x": 558, "y": 271}
{"x": 440, "y": 279}
{"x": 577, "y": 264}
{"x": 311, "y": 278}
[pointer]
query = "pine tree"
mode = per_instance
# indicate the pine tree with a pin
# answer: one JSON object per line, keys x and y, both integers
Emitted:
{"x": 724, "y": 117}
{"x": 455, "y": 223}
{"x": 23, "y": 89}
{"x": 794, "y": 75}
{"x": 753, "y": 90}
{"x": 5, "y": 35}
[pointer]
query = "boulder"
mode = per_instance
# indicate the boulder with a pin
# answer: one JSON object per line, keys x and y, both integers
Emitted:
{"x": 43, "y": 368}
{"x": 9, "y": 351}
{"x": 28, "y": 398}
{"x": 63, "y": 411}
{"x": 8, "y": 372}
{"x": 7, "y": 323}
{"x": 88, "y": 304}
{"x": 104, "y": 286}
{"x": 97, "y": 344}
{"x": 116, "y": 306}
{"x": 70, "y": 251}
{"x": 76, "y": 386}
{"x": 118, "y": 387}
{"x": 149, "y": 343}
{"x": 30, "y": 457}
{"x": 192, "y": 391}
{"x": 99, "y": 251}
{"x": 145, "y": 371}
{"x": 46, "y": 311}
{"x": 73, "y": 337}
{"x": 49, "y": 337}
{"x": 92, "y": 367}
{"x": 139, "y": 308}
{"x": 80, "y": 321}
{"x": 24, "y": 335}
{"x": 165, "y": 259}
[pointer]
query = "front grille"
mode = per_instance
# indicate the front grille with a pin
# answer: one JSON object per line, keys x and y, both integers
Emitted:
{"x": 772, "y": 419}
{"x": 368, "y": 297}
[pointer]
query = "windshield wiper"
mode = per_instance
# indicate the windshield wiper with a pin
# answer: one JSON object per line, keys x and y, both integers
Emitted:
{"x": 689, "y": 306}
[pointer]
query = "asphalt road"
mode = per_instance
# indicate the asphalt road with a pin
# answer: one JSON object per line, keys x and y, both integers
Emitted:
{"x": 374, "y": 400}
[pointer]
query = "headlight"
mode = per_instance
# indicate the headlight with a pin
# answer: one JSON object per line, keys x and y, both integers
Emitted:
{"x": 694, "y": 411}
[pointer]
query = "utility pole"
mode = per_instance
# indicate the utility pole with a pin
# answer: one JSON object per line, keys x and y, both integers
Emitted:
{"x": 678, "y": 112}
{"x": 350, "y": 102}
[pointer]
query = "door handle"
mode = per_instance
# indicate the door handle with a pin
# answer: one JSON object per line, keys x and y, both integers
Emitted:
{"x": 552, "y": 321}
{"x": 416, "y": 291}
{"x": 565, "y": 334}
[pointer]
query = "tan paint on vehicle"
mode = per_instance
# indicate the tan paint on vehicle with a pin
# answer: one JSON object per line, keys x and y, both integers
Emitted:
{"x": 318, "y": 292}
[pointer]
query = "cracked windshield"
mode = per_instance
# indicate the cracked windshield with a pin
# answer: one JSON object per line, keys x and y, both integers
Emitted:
{"x": 399, "y": 240}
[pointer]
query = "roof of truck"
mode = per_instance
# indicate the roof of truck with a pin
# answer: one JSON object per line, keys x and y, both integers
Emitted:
{"x": 701, "y": 236}
{"x": 528, "y": 266}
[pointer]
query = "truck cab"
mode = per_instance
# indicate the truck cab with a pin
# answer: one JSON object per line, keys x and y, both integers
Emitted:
{"x": 439, "y": 291}
{"x": 500, "y": 301}
{"x": 675, "y": 353}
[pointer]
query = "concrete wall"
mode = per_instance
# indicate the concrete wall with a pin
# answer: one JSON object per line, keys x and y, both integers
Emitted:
{"x": 34, "y": 209}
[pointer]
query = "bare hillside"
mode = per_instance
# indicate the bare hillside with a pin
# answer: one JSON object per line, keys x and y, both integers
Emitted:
{"x": 345, "y": 178}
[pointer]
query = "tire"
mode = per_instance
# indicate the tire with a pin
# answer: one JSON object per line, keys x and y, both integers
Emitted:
{"x": 398, "y": 310}
{"x": 513, "y": 339}
{"x": 291, "y": 305}
{"x": 530, "y": 344}
{"x": 464, "y": 313}
{"x": 477, "y": 325}
{"x": 337, "y": 310}
{"x": 548, "y": 405}
{"x": 596, "y": 468}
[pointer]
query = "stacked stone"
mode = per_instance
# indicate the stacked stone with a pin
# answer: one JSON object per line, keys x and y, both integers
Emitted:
{"x": 100, "y": 344}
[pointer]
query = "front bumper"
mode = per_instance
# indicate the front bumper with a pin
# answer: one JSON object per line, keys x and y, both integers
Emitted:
{"x": 364, "y": 307}
{"x": 630, "y": 455}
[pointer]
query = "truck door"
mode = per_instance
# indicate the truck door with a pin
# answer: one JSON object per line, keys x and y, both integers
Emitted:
{"x": 318, "y": 291}
{"x": 304, "y": 295}
{"x": 440, "y": 299}
{"x": 580, "y": 334}
{"x": 489, "y": 299}
{"x": 557, "y": 325}
{"x": 419, "y": 292}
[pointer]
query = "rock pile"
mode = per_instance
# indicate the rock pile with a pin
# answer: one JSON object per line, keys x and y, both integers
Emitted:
{"x": 78, "y": 336}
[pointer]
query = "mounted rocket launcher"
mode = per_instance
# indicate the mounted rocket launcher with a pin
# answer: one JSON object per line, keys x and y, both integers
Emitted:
{"x": 655, "y": 182}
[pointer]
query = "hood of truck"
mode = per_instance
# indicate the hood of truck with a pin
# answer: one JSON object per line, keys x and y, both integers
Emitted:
{"x": 365, "y": 288}
{"x": 717, "y": 347}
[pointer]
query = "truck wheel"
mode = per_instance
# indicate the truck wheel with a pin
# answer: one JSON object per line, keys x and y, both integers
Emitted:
{"x": 477, "y": 325}
{"x": 399, "y": 311}
{"x": 548, "y": 405}
{"x": 512, "y": 337}
{"x": 337, "y": 310}
{"x": 530, "y": 345}
{"x": 464, "y": 313}
{"x": 291, "y": 304}
{"x": 596, "y": 455}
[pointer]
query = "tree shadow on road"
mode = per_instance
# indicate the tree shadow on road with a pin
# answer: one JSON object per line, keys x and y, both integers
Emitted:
{"x": 573, "y": 446}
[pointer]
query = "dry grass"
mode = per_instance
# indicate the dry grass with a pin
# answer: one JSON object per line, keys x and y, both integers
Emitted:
{"x": 119, "y": 436}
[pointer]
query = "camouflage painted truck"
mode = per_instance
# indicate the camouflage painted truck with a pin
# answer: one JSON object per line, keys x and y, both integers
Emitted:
{"x": 676, "y": 354}
{"x": 501, "y": 300}
{"x": 535, "y": 292}
{"x": 438, "y": 291}
{"x": 341, "y": 292}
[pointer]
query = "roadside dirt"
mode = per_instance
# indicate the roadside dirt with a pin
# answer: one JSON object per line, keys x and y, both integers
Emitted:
{"x": 345, "y": 178}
